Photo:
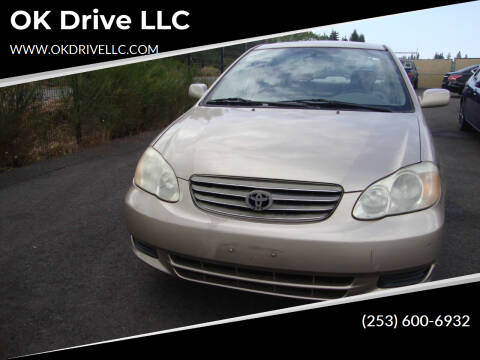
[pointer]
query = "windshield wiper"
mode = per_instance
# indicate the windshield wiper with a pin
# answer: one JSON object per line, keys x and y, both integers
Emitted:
{"x": 337, "y": 104}
{"x": 233, "y": 100}
{"x": 241, "y": 101}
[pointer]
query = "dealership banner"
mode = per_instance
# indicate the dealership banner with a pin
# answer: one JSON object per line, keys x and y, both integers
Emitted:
{"x": 57, "y": 268}
{"x": 43, "y": 37}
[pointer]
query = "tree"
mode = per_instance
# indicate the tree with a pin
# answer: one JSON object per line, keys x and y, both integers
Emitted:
{"x": 309, "y": 35}
{"x": 334, "y": 35}
{"x": 459, "y": 55}
{"x": 439, "y": 56}
{"x": 449, "y": 56}
{"x": 344, "y": 38}
{"x": 323, "y": 37}
{"x": 356, "y": 37}
{"x": 466, "y": 56}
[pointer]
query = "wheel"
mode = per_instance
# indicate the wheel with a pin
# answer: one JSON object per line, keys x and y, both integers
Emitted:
{"x": 463, "y": 125}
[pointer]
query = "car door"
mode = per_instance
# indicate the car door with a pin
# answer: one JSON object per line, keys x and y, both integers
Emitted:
{"x": 472, "y": 100}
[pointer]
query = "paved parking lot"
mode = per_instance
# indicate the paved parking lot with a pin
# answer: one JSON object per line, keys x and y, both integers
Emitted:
{"x": 459, "y": 154}
{"x": 68, "y": 276}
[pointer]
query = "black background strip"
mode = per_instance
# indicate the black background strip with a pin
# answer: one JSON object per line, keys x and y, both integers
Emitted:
{"x": 210, "y": 23}
{"x": 335, "y": 328}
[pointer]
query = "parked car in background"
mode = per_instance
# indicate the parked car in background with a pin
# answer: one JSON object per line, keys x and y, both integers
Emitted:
{"x": 469, "y": 111}
{"x": 306, "y": 170}
{"x": 455, "y": 81}
{"x": 411, "y": 70}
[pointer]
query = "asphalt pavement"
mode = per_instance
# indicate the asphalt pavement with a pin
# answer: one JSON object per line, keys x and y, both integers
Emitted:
{"x": 68, "y": 276}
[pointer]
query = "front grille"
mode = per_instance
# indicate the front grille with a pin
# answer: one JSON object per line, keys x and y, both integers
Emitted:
{"x": 291, "y": 284}
{"x": 291, "y": 201}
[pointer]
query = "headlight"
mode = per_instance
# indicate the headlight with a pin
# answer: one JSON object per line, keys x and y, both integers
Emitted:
{"x": 412, "y": 188}
{"x": 154, "y": 175}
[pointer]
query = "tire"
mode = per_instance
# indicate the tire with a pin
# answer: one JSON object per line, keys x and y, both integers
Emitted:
{"x": 463, "y": 125}
{"x": 415, "y": 84}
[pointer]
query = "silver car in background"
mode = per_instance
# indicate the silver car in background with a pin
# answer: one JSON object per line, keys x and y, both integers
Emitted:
{"x": 306, "y": 170}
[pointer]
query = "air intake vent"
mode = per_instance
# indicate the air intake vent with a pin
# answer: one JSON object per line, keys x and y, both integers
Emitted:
{"x": 292, "y": 284}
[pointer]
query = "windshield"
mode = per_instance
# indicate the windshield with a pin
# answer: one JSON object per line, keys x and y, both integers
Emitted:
{"x": 358, "y": 76}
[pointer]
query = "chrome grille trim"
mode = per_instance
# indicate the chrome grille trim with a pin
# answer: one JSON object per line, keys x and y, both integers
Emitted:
{"x": 273, "y": 282}
{"x": 243, "y": 193}
{"x": 266, "y": 184}
{"x": 292, "y": 201}
{"x": 262, "y": 280}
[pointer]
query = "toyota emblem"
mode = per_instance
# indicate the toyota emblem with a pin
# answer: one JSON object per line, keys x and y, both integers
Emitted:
{"x": 259, "y": 200}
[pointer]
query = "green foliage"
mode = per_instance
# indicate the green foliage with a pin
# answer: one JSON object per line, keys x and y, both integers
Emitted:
{"x": 208, "y": 71}
{"x": 125, "y": 100}
{"x": 304, "y": 36}
{"x": 449, "y": 56}
{"x": 19, "y": 114}
{"x": 334, "y": 35}
{"x": 356, "y": 37}
{"x": 91, "y": 107}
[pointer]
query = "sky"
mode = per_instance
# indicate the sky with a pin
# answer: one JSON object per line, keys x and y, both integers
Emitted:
{"x": 447, "y": 29}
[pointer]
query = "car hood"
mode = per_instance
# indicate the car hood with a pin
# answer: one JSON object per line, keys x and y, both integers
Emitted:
{"x": 350, "y": 148}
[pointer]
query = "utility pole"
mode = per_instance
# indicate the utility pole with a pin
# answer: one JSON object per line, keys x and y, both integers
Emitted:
{"x": 222, "y": 60}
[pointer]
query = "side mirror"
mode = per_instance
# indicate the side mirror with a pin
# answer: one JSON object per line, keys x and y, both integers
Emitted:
{"x": 435, "y": 97}
{"x": 197, "y": 90}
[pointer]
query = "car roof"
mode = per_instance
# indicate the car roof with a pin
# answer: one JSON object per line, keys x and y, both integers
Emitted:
{"x": 323, "y": 43}
{"x": 471, "y": 67}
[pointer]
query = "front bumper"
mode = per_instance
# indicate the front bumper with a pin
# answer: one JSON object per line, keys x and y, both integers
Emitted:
{"x": 204, "y": 247}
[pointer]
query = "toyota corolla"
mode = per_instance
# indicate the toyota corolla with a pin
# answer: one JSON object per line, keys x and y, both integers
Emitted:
{"x": 306, "y": 170}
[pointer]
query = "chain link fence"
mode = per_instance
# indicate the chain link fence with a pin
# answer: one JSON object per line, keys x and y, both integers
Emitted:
{"x": 207, "y": 65}
{"x": 53, "y": 91}
{"x": 210, "y": 64}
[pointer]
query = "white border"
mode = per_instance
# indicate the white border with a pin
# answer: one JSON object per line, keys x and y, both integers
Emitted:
{"x": 132, "y": 60}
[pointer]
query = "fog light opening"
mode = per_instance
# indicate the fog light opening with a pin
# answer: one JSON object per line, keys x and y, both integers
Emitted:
{"x": 403, "y": 278}
{"x": 144, "y": 248}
